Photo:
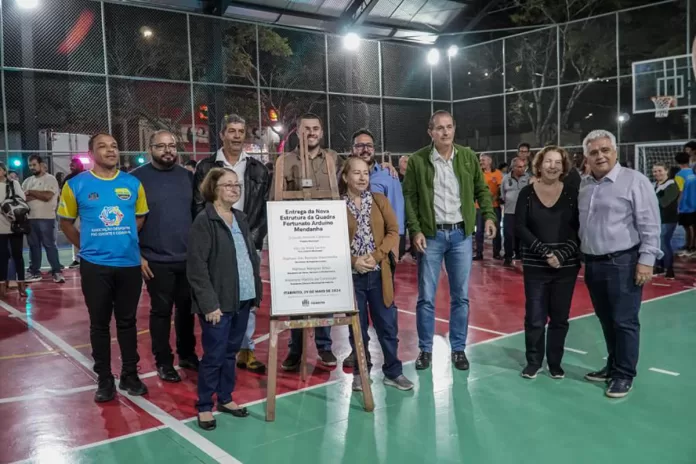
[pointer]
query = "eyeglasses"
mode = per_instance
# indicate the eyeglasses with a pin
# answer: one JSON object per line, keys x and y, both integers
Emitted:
{"x": 231, "y": 187}
{"x": 360, "y": 146}
{"x": 162, "y": 146}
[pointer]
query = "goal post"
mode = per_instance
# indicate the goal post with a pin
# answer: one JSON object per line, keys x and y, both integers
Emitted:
{"x": 647, "y": 154}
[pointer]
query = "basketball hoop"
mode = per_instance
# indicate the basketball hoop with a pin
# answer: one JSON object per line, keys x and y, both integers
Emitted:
{"x": 662, "y": 105}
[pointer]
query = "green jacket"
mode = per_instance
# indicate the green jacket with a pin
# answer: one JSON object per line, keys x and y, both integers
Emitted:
{"x": 420, "y": 198}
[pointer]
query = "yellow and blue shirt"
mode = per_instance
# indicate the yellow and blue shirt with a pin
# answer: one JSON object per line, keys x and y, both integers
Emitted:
{"x": 107, "y": 209}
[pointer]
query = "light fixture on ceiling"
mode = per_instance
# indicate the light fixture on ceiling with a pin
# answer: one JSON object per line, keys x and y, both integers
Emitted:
{"x": 452, "y": 51}
{"x": 147, "y": 32}
{"x": 351, "y": 41}
{"x": 433, "y": 56}
{"x": 27, "y": 4}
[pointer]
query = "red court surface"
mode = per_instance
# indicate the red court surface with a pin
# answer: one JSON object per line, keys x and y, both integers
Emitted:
{"x": 46, "y": 394}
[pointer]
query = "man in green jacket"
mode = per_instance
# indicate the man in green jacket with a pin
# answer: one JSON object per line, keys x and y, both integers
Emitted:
{"x": 443, "y": 181}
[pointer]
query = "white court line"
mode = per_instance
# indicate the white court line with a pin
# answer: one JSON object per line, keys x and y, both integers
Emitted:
{"x": 186, "y": 433}
{"x": 262, "y": 338}
{"x": 573, "y": 350}
{"x": 661, "y": 285}
{"x": 439, "y": 319}
{"x": 662, "y": 371}
{"x": 332, "y": 382}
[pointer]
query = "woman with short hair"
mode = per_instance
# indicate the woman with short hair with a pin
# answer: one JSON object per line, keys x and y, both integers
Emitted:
{"x": 223, "y": 270}
{"x": 667, "y": 193}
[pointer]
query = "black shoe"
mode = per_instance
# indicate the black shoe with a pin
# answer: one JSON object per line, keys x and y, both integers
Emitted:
{"x": 556, "y": 372}
{"x": 239, "y": 412}
{"x": 106, "y": 390}
{"x": 292, "y": 362}
{"x": 327, "y": 358}
{"x": 207, "y": 425}
{"x": 132, "y": 384}
{"x": 459, "y": 360}
{"x": 507, "y": 263}
{"x": 424, "y": 360}
{"x": 598, "y": 376}
{"x": 530, "y": 372}
{"x": 350, "y": 361}
{"x": 498, "y": 257}
{"x": 657, "y": 270}
{"x": 189, "y": 362}
{"x": 618, "y": 388}
{"x": 478, "y": 257}
{"x": 669, "y": 274}
{"x": 168, "y": 374}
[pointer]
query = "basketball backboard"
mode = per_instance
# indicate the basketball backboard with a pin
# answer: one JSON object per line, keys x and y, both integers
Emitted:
{"x": 672, "y": 76}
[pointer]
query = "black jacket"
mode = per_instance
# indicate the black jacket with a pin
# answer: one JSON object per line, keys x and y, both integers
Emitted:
{"x": 211, "y": 263}
{"x": 257, "y": 184}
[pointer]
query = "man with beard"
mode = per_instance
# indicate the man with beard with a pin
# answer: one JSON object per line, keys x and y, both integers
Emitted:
{"x": 310, "y": 125}
{"x": 256, "y": 182}
{"x": 112, "y": 207}
{"x": 163, "y": 246}
{"x": 42, "y": 193}
{"x": 381, "y": 181}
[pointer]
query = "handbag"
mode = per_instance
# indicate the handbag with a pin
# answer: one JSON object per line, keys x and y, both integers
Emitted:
{"x": 16, "y": 210}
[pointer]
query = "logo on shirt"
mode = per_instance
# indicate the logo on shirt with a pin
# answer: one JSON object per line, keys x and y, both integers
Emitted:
{"x": 93, "y": 196}
{"x": 111, "y": 216}
{"x": 123, "y": 193}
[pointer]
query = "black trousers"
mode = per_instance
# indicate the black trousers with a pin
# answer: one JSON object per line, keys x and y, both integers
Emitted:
{"x": 167, "y": 288}
{"x": 16, "y": 243}
{"x": 112, "y": 290}
{"x": 548, "y": 296}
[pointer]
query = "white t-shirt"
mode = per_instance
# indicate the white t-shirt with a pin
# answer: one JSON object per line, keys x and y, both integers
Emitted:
{"x": 42, "y": 209}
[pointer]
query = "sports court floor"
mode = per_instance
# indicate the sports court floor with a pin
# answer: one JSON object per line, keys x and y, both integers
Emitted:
{"x": 486, "y": 415}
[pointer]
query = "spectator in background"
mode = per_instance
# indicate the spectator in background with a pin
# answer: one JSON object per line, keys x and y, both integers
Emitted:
{"x": 190, "y": 165}
{"x": 685, "y": 171}
{"x": 494, "y": 179}
{"x": 513, "y": 182}
{"x": 60, "y": 177}
{"x": 690, "y": 149}
{"x": 11, "y": 243}
{"x": 685, "y": 174}
{"x": 403, "y": 164}
{"x": 503, "y": 167}
{"x": 668, "y": 198}
{"x": 524, "y": 151}
{"x": 76, "y": 167}
{"x": 687, "y": 216}
{"x": 42, "y": 192}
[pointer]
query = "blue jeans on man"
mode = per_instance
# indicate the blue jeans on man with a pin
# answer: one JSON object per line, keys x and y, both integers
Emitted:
{"x": 456, "y": 250}
{"x": 616, "y": 299}
{"x": 666, "y": 234}
{"x": 43, "y": 233}
{"x": 370, "y": 302}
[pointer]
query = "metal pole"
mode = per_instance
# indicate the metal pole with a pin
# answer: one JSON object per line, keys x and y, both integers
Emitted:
{"x": 558, "y": 83}
{"x": 2, "y": 82}
{"x": 381, "y": 99}
{"x": 504, "y": 104}
{"x": 432, "y": 103}
{"x": 328, "y": 104}
{"x": 106, "y": 69}
{"x": 690, "y": 79}
{"x": 193, "y": 106}
{"x": 618, "y": 80}
{"x": 258, "y": 81}
{"x": 451, "y": 86}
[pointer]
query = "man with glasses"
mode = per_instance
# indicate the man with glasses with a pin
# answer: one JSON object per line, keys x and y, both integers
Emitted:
{"x": 255, "y": 182}
{"x": 163, "y": 247}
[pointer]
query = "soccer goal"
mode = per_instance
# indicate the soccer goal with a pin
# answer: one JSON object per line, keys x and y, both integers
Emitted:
{"x": 648, "y": 154}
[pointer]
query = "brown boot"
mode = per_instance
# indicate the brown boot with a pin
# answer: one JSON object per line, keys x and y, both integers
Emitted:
{"x": 3, "y": 289}
{"x": 22, "y": 289}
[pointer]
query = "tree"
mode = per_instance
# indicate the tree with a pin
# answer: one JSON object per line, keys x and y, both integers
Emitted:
{"x": 587, "y": 52}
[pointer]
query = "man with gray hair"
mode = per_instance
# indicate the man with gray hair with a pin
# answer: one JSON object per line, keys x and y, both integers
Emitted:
{"x": 620, "y": 239}
{"x": 256, "y": 184}
{"x": 513, "y": 182}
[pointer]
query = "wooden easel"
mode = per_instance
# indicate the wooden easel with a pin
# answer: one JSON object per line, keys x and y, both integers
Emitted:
{"x": 309, "y": 322}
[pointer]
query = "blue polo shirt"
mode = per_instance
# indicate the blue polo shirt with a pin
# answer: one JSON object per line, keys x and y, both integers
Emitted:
{"x": 381, "y": 181}
{"x": 107, "y": 209}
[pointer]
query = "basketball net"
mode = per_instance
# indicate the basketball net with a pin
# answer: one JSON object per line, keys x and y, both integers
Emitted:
{"x": 662, "y": 105}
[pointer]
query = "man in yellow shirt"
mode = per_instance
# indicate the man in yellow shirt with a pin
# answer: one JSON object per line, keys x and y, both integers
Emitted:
{"x": 494, "y": 179}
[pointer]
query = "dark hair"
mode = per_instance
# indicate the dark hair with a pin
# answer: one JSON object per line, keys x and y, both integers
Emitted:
{"x": 539, "y": 160}
{"x": 342, "y": 185}
{"x": 691, "y": 144}
{"x": 360, "y": 132}
{"x": 231, "y": 119}
{"x": 3, "y": 166}
{"x": 36, "y": 157}
{"x": 681, "y": 158}
{"x": 661, "y": 164}
{"x": 524, "y": 144}
{"x": 209, "y": 184}
{"x": 191, "y": 163}
{"x": 502, "y": 166}
{"x": 431, "y": 123}
{"x": 93, "y": 139}
{"x": 673, "y": 171}
{"x": 309, "y": 116}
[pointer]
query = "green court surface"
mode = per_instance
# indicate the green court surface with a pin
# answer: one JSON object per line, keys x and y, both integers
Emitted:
{"x": 487, "y": 415}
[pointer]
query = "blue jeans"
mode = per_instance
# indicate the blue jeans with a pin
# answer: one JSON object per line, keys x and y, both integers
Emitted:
{"x": 221, "y": 342}
{"x": 616, "y": 299}
{"x": 322, "y": 338}
{"x": 666, "y": 245}
{"x": 248, "y": 341}
{"x": 455, "y": 248}
{"x": 480, "y": 229}
{"x": 369, "y": 296}
{"x": 43, "y": 232}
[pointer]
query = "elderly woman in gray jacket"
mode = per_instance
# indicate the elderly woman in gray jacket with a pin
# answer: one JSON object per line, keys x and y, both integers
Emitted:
{"x": 223, "y": 271}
